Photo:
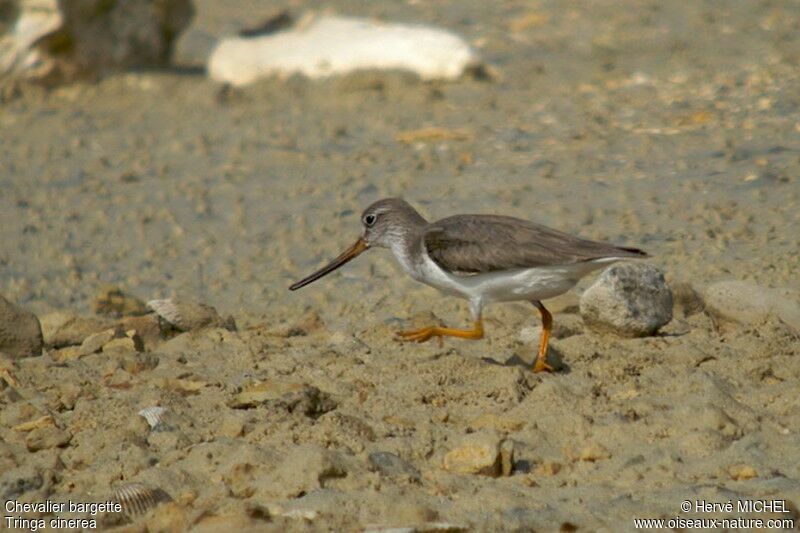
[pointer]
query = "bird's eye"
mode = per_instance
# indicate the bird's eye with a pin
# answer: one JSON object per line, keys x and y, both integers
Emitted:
{"x": 369, "y": 220}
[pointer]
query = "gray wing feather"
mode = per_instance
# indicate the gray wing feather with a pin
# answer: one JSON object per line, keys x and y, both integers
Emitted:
{"x": 488, "y": 243}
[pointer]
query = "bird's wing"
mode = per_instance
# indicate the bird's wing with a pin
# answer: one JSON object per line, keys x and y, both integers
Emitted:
{"x": 488, "y": 243}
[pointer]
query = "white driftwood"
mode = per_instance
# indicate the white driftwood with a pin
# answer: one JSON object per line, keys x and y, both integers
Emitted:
{"x": 331, "y": 45}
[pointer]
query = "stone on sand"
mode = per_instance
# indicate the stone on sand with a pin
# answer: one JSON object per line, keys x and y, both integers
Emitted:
{"x": 95, "y": 342}
{"x": 62, "y": 328}
{"x": 744, "y": 302}
{"x": 20, "y": 332}
{"x": 476, "y": 453}
{"x": 629, "y": 299}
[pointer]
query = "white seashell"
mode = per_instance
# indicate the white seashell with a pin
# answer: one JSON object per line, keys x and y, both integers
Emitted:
{"x": 330, "y": 45}
{"x": 153, "y": 415}
{"x": 166, "y": 309}
{"x": 185, "y": 315}
{"x": 137, "y": 499}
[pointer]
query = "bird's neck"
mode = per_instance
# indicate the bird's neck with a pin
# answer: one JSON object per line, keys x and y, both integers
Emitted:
{"x": 405, "y": 237}
{"x": 406, "y": 248}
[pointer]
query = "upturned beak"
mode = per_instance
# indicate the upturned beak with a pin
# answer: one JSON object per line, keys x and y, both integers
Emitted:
{"x": 345, "y": 257}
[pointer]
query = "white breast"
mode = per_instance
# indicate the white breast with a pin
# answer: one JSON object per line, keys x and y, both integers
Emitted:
{"x": 527, "y": 284}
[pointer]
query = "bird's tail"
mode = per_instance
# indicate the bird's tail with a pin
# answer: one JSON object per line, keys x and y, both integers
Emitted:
{"x": 632, "y": 252}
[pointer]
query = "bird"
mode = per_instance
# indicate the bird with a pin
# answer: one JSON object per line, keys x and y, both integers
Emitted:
{"x": 482, "y": 258}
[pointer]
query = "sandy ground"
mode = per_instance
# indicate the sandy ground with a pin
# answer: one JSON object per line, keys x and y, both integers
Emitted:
{"x": 670, "y": 126}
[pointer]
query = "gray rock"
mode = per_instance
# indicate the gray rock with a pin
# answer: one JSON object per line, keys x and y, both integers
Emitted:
{"x": 744, "y": 302}
{"x": 55, "y": 41}
{"x": 629, "y": 299}
{"x": 20, "y": 332}
{"x": 393, "y": 466}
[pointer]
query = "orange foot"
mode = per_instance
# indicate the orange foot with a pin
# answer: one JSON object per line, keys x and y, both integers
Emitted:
{"x": 541, "y": 365}
{"x": 424, "y": 334}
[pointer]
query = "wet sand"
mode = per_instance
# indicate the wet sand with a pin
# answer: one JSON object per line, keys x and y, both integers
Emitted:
{"x": 671, "y": 127}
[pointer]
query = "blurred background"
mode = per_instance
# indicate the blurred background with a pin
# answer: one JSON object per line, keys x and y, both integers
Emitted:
{"x": 671, "y": 126}
{"x": 160, "y": 149}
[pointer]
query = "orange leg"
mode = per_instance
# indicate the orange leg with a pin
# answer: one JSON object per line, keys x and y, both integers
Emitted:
{"x": 424, "y": 334}
{"x": 541, "y": 364}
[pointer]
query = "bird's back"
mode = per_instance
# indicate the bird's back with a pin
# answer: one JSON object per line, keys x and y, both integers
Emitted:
{"x": 489, "y": 243}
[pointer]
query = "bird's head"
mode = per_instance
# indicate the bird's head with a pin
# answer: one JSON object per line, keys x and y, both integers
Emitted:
{"x": 384, "y": 223}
